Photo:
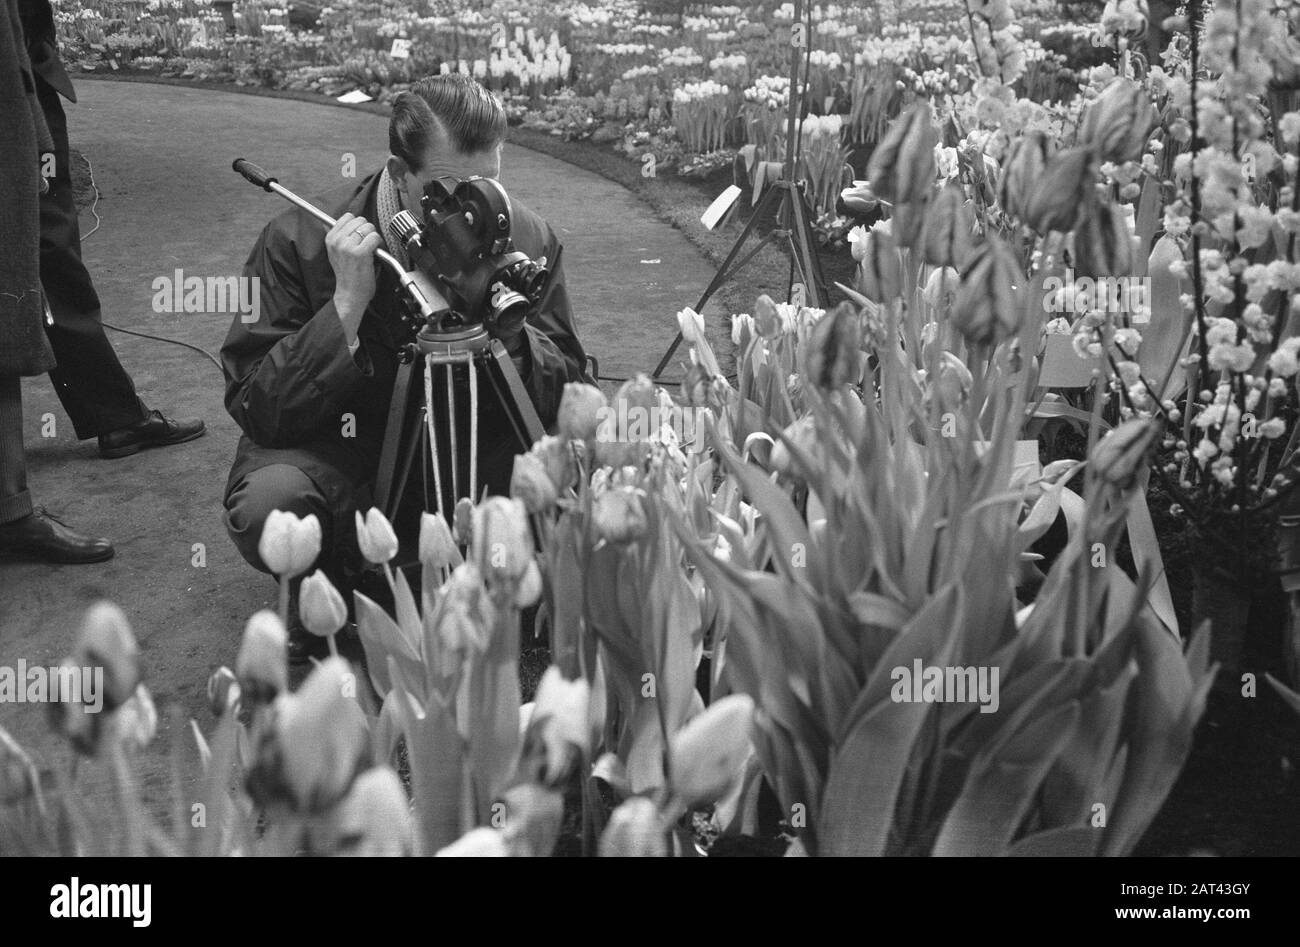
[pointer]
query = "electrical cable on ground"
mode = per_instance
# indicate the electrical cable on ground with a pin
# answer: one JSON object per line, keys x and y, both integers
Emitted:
{"x": 108, "y": 325}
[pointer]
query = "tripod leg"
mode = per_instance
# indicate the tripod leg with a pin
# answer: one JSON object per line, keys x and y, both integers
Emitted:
{"x": 473, "y": 432}
{"x": 724, "y": 272}
{"x": 513, "y": 397}
{"x": 803, "y": 238}
{"x": 452, "y": 416}
{"x": 433, "y": 435}
{"x": 398, "y": 407}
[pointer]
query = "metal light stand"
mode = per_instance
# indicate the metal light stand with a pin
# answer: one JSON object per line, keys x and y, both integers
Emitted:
{"x": 785, "y": 200}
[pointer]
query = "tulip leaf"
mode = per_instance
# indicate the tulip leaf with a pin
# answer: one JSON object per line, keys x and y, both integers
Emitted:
{"x": 1063, "y": 842}
{"x": 867, "y": 770}
{"x": 380, "y": 638}
{"x": 1001, "y": 787}
{"x": 437, "y": 758}
{"x": 1165, "y": 336}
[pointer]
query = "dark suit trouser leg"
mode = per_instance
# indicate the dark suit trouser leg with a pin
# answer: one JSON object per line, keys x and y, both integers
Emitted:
{"x": 94, "y": 388}
{"x": 15, "y": 501}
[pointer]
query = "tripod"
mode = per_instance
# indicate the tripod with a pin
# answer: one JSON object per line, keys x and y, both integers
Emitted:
{"x": 456, "y": 362}
{"x": 785, "y": 199}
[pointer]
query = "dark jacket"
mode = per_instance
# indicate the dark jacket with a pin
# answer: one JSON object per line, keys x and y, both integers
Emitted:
{"x": 43, "y": 46}
{"x": 290, "y": 380}
{"x": 24, "y": 348}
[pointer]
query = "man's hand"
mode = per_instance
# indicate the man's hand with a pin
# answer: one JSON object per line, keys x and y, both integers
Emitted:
{"x": 351, "y": 245}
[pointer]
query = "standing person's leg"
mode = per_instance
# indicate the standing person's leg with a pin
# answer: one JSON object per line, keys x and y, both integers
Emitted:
{"x": 25, "y": 531}
{"x": 94, "y": 388}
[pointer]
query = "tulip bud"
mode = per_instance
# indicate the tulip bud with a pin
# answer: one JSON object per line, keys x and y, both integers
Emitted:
{"x": 767, "y": 320}
{"x": 881, "y": 270}
{"x": 953, "y": 381}
{"x": 637, "y": 393}
{"x": 483, "y": 842}
{"x": 316, "y": 744}
{"x": 462, "y": 525}
{"x": 940, "y": 287}
{"x": 530, "y": 484}
{"x": 707, "y": 754}
{"x": 1062, "y": 191}
{"x": 1102, "y": 246}
{"x": 1118, "y": 123}
{"x": 223, "y": 691}
{"x": 618, "y": 515}
{"x": 558, "y": 733}
{"x": 556, "y": 457}
{"x": 437, "y": 547}
{"x": 1126, "y": 18}
{"x": 135, "y": 723}
{"x": 289, "y": 545}
{"x": 375, "y": 536}
{"x": 1024, "y": 169}
{"x": 803, "y": 434}
{"x": 907, "y": 222}
{"x": 321, "y": 608}
{"x": 902, "y": 166}
{"x": 529, "y": 589}
{"x": 262, "y": 663}
{"x": 579, "y": 411}
{"x": 503, "y": 541}
{"x": 106, "y": 641}
{"x": 464, "y": 614}
{"x": 833, "y": 355}
{"x": 374, "y": 820}
{"x": 987, "y": 308}
{"x": 949, "y": 223}
{"x": 1120, "y": 452}
{"x": 534, "y": 818}
{"x": 635, "y": 830}
{"x": 859, "y": 199}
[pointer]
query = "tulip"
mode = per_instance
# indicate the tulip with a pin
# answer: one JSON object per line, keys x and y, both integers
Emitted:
{"x": 106, "y": 641}
{"x": 833, "y": 355}
{"x": 1118, "y": 123}
{"x": 534, "y": 818}
{"x": 902, "y": 166}
{"x": 881, "y": 270}
{"x": 262, "y": 662}
{"x": 375, "y": 536}
{"x": 987, "y": 308}
{"x": 1102, "y": 246}
{"x": 223, "y": 691}
{"x": 949, "y": 223}
{"x": 482, "y": 842}
{"x": 559, "y": 723}
{"x": 579, "y": 411}
{"x": 940, "y": 287}
{"x": 953, "y": 381}
{"x": 803, "y": 434}
{"x": 707, "y": 754}
{"x": 859, "y": 199}
{"x": 437, "y": 547}
{"x": 1024, "y": 169}
{"x": 1126, "y": 18}
{"x": 503, "y": 541}
{"x": 529, "y": 589}
{"x": 135, "y": 723}
{"x": 462, "y": 524}
{"x": 321, "y": 608}
{"x": 1116, "y": 457}
{"x": 464, "y": 614}
{"x": 530, "y": 483}
{"x": 289, "y": 545}
{"x": 907, "y": 222}
{"x": 695, "y": 386}
{"x": 1062, "y": 191}
{"x": 691, "y": 324}
{"x": 635, "y": 830}
{"x": 318, "y": 743}
{"x": 767, "y": 319}
{"x": 638, "y": 393}
{"x": 556, "y": 457}
{"x": 618, "y": 515}
{"x": 375, "y": 818}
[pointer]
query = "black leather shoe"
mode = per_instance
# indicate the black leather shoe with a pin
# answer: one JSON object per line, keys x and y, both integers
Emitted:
{"x": 154, "y": 431}
{"x": 41, "y": 536}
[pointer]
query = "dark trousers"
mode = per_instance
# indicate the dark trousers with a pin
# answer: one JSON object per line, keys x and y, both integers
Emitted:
{"x": 94, "y": 388}
{"x": 15, "y": 501}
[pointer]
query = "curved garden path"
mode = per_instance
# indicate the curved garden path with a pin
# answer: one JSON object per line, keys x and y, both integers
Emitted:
{"x": 161, "y": 156}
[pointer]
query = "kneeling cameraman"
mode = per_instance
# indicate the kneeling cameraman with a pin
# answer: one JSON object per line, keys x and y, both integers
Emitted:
{"x": 310, "y": 383}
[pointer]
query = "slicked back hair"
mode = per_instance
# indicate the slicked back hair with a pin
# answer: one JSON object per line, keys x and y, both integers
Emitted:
{"x": 452, "y": 109}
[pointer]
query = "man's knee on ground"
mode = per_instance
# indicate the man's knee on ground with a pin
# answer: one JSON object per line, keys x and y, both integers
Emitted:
{"x": 277, "y": 487}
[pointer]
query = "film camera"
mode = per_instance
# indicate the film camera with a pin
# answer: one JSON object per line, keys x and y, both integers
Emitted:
{"x": 465, "y": 245}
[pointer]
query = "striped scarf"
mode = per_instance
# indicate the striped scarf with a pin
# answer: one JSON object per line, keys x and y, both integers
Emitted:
{"x": 388, "y": 201}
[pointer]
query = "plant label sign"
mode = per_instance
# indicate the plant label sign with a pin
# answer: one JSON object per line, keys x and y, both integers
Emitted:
{"x": 401, "y": 49}
{"x": 718, "y": 209}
